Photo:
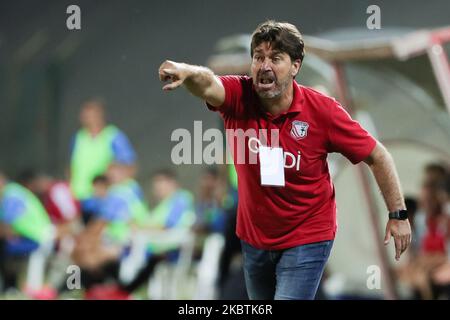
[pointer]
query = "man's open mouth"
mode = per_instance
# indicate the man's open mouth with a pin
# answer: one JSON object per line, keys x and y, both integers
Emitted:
{"x": 266, "y": 82}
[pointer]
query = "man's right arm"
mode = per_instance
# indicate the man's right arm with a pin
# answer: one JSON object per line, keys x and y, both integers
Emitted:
{"x": 200, "y": 81}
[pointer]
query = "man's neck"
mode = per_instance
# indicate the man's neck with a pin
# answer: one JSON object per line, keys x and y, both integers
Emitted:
{"x": 94, "y": 131}
{"x": 169, "y": 195}
{"x": 276, "y": 106}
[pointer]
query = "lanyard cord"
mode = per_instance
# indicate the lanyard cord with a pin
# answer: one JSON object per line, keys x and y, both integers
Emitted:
{"x": 268, "y": 131}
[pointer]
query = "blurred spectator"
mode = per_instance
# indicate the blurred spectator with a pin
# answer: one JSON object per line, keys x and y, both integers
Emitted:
{"x": 95, "y": 146}
{"x": 26, "y": 225}
{"x": 435, "y": 237}
{"x": 441, "y": 276}
{"x": 174, "y": 211}
{"x": 174, "y": 205}
{"x": 104, "y": 241}
{"x": 92, "y": 206}
{"x": 59, "y": 202}
{"x": 210, "y": 217}
{"x": 64, "y": 212}
{"x": 431, "y": 226}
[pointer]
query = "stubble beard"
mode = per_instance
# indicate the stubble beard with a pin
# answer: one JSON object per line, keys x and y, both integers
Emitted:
{"x": 280, "y": 87}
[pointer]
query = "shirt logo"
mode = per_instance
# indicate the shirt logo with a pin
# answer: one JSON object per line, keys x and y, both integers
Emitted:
{"x": 299, "y": 129}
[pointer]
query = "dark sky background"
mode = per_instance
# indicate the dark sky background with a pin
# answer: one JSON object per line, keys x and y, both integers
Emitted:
{"x": 46, "y": 71}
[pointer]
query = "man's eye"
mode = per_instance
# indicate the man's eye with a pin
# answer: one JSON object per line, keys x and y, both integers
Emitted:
{"x": 276, "y": 58}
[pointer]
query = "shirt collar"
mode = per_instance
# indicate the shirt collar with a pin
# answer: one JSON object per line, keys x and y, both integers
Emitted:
{"x": 297, "y": 101}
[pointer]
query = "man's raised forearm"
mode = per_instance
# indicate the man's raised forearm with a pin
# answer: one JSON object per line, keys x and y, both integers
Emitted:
{"x": 198, "y": 80}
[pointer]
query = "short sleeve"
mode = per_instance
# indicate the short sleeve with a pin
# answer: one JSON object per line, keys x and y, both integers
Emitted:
{"x": 114, "y": 209}
{"x": 234, "y": 88}
{"x": 12, "y": 208}
{"x": 347, "y": 136}
{"x": 122, "y": 149}
{"x": 180, "y": 206}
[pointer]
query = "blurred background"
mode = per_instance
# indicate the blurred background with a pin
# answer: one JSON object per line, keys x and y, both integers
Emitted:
{"x": 132, "y": 224}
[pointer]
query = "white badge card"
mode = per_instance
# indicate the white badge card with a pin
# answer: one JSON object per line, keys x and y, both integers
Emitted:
{"x": 271, "y": 163}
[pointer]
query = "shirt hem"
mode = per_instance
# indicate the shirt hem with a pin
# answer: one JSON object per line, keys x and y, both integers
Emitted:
{"x": 294, "y": 243}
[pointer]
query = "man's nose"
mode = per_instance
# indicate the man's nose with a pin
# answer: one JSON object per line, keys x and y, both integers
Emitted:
{"x": 266, "y": 66}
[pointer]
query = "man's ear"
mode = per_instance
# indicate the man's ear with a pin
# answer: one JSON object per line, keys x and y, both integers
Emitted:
{"x": 296, "y": 67}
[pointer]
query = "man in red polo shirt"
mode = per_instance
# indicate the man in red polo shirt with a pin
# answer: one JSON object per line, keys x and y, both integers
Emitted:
{"x": 287, "y": 211}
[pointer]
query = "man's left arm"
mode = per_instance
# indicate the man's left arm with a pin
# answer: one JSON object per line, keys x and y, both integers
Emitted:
{"x": 382, "y": 165}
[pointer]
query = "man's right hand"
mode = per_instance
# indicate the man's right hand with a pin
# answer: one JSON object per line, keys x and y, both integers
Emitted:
{"x": 174, "y": 72}
{"x": 200, "y": 81}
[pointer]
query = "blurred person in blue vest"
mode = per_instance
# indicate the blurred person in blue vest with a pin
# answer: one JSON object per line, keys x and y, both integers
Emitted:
{"x": 92, "y": 206}
{"x": 64, "y": 212}
{"x": 94, "y": 147}
{"x": 104, "y": 242}
{"x": 174, "y": 210}
{"x": 26, "y": 227}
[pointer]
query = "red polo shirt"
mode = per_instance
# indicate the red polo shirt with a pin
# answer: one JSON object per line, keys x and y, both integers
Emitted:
{"x": 304, "y": 210}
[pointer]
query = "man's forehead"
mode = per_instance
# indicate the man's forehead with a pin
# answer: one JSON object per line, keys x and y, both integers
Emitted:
{"x": 268, "y": 48}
